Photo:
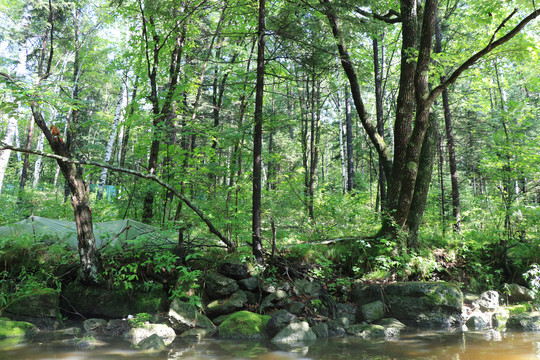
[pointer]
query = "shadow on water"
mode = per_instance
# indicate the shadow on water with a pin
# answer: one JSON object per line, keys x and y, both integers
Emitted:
{"x": 492, "y": 345}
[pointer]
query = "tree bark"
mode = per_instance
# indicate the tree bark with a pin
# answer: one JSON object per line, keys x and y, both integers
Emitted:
{"x": 118, "y": 114}
{"x": 349, "y": 141}
{"x": 5, "y": 154}
{"x": 26, "y": 162}
{"x": 377, "y": 70}
{"x": 257, "y": 137}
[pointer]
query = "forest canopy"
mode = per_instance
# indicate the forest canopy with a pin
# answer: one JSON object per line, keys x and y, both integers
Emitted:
{"x": 397, "y": 127}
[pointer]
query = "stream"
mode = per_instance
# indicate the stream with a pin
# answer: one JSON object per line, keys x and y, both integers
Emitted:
{"x": 415, "y": 344}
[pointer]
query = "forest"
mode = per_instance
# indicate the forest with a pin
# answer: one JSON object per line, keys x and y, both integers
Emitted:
{"x": 358, "y": 141}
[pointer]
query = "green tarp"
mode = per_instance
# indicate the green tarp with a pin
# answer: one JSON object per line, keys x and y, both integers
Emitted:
{"x": 114, "y": 232}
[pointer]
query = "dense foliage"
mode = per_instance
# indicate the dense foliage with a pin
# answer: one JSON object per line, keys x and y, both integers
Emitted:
{"x": 167, "y": 88}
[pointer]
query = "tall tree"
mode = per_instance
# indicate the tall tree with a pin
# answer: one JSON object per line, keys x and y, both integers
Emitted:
{"x": 257, "y": 137}
{"x": 414, "y": 99}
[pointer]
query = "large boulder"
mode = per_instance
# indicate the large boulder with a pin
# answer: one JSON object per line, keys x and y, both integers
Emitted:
{"x": 279, "y": 320}
{"x": 235, "y": 302}
{"x": 415, "y": 303}
{"x": 372, "y": 311}
{"x": 235, "y": 271}
{"x": 152, "y": 343}
{"x": 249, "y": 284}
{"x": 244, "y": 325}
{"x": 94, "y": 326}
{"x": 294, "y": 333}
{"x": 366, "y": 331}
{"x": 184, "y": 316}
{"x": 303, "y": 287}
{"x": 518, "y": 293}
{"x": 529, "y": 321}
{"x": 40, "y": 304}
{"x": 488, "y": 301}
{"x": 139, "y": 333}
{"x": 12, "y": 329}
{"x": 218, "y": 286}
{"x": 99, "y": 302}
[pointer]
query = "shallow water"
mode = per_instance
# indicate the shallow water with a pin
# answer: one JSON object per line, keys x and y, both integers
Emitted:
{"x": 492, "y": 345}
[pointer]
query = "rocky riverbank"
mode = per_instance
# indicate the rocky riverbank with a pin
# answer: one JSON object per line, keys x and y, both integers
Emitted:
{"x": 238, "y": 305}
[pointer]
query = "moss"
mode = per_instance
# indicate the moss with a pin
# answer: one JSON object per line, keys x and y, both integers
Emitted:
{"x": 244, "y": 324}
{"x": 519, "y": 308}
{"x": 10, "y": 329}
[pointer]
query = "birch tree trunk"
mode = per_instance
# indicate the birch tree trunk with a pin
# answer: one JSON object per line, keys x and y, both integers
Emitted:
{"x": 39, "y": 162}
{"x": 5, "y": 154}
{"x": 118, "y": 115}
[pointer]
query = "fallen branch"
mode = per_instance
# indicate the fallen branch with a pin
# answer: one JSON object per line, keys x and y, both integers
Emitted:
{"x": 152, "y": 177}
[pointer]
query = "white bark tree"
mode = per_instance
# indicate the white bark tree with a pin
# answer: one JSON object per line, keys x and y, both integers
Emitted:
{"x": 118, "y": 115}
{"x": 5, "y": 154}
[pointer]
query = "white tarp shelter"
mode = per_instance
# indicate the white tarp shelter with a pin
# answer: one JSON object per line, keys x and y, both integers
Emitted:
{"x": 116, "y": 232}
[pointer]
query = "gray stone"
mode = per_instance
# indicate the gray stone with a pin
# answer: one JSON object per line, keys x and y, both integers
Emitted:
{"x": 339, "y": 322}
{"x": 372, "y": 311}
{"x": 525, "y": 321}
{"x": 296, "y": 308}
{"x": 235, "y": 271}
{"x": 488, "y": 301}
{"x": 94, "y": 326}
{"x": 499, "y": 318}
{"x": 411, "y": 300}
{"x": 368, "y": 331}
{"x": 278, "y": 321}
{"x": 518, "y": 293}
{"x": 476, "y": 322}
{"x": 197, "y": 334}
{"x": 347, "y": 310}
{"x": 137, "y": 334}
{"x": 249, "y": 284}
{"x": 153, "y": 343}
{"x": 184, "y": 316}
{"x": 234, "y": 303}
{"x": 437, "y": 320}
{"x": 294, "y": 333}
{"x": 279, "y": 298}
{"x": 321, "y": 330}
{"x": 117, "y": 327}
{"x": 218, "y": 286}
{"x": 307, "y": 288}
{"x": 392, "y": 328}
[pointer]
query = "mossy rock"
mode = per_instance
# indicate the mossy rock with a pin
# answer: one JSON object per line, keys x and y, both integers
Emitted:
{"x": 519, "y": 308}
{"x": 369, "y": 331}
{"x": 98, "y": 302}
{"x": 529, "y": 321}
{"x": 406, "y": 301}
{"x": 11, "y": 329}
{"x": 244, "y": 325}
{"x": 41, "y": 304}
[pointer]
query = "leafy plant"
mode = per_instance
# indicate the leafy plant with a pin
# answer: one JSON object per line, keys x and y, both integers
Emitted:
{"x": 139, "y": 319}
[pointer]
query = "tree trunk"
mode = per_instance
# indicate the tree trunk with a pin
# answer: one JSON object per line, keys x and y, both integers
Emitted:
{"x": 350, "y": 155}
{"x": 4, "y": 154}
{"x": 454, "y": 176}
{"x": 121, "y": 104}
{"x": 257, "y": 138}
{"x": 39, "y": 162}
{"x": 423, "y": 180}
{"x": 380, "y": 121}
{"x": 26, "y": 162}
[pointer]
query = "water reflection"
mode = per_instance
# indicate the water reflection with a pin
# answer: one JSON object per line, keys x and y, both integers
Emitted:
{"x": 492, "y": 345}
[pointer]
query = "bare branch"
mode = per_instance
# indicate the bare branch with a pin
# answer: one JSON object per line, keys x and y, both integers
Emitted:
{"x": 152, "y": 177}
{"x": 391, "y": 17}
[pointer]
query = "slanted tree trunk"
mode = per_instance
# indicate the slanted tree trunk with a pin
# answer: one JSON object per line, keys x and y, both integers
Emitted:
{"x": 257, "y": 138}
